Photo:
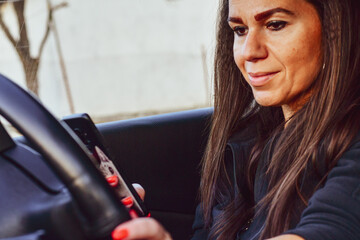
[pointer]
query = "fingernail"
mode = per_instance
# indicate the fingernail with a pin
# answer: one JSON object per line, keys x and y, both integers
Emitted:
{"x": 127, "y": 201}
{"x": 113, "y": 180}
{"x": 120, "y": 234}
{"x": 133, "y": 214}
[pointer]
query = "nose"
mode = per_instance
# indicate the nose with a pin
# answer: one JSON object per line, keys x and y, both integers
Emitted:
{"x": 253, "y": 48}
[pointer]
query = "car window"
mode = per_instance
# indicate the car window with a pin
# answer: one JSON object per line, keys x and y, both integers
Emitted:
{"x": 113, "y": 59}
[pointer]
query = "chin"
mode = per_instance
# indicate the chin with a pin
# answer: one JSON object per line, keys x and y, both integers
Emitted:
{"x": 267, "y": 102}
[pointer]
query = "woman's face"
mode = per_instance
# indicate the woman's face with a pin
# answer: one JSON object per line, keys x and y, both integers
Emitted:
{"x": 277, "y": 48}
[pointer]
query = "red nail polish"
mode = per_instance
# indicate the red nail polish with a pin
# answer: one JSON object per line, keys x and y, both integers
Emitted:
{"x": 133, "y": 214}
{"x": 127, "y": 201}
{"x": 113, "y": 180}
{"x": 120, "y": 234}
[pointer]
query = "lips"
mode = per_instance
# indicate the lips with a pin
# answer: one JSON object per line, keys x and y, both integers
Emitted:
{"x": 261, "y": 78}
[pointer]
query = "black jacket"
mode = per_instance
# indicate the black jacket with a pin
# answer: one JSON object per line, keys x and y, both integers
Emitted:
{"x": 333, "y": 211}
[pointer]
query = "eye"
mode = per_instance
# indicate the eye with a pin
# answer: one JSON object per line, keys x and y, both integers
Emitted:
{"x": 276, "y": 25}
{"x": 240, "y": 30}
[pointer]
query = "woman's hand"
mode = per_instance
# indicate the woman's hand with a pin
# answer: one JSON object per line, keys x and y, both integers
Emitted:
{"x": 139, "y": 228}
{"x": 287, "y": 237}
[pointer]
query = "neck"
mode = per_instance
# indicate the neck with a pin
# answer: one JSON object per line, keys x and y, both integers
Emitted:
{"x": 288, "y": 112}
{"x": 291, "y": 108}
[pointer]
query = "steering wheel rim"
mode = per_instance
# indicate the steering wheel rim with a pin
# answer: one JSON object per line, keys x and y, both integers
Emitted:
{"x": 100, "y": 207}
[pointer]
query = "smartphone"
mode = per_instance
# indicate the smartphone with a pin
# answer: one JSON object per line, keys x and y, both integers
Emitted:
{"x": 82, "y": 125}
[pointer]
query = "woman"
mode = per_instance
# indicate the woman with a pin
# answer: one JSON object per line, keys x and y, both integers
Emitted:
{"x": 283, "y": 158}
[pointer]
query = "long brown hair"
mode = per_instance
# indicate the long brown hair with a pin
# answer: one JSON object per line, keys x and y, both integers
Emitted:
{"x": 327, "y": 123}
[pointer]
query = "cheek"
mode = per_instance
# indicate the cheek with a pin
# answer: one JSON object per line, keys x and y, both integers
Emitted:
{"x": 239, "y": 61}
{"x": 303, "y": 61}
{"x": 236, "y": 54}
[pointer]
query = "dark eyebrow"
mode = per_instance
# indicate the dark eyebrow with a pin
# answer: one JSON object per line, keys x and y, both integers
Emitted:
{"x": 235, "y": 20}
{"x": 268, "y": 13}
{"x": 261, "y": 16}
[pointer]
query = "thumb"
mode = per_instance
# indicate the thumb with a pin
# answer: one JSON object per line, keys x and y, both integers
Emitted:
{"x": 140, "y": 190}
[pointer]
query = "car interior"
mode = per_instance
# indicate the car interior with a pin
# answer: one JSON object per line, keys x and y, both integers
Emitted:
{"x": 51, "y": 189}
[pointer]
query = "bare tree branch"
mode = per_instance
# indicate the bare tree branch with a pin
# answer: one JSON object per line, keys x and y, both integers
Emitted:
{"x": 19, "y": 9}
{"x": 62, "y": 62}
{"x": 22, "y": 45}
{"x": 60, "y": 5}
{"x": 6, "y": 29}
{"x": 49, "y": 23}
{"x": 47, "y": 31}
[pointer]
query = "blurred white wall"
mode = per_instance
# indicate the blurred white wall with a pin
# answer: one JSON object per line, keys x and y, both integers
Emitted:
{"x": 121, "y": 56}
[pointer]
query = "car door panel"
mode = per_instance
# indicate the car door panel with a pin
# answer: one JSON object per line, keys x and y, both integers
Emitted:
{"x": 163, "y": 154}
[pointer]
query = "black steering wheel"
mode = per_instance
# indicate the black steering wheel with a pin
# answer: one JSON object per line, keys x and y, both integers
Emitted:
{"x": 101, "y": 208}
